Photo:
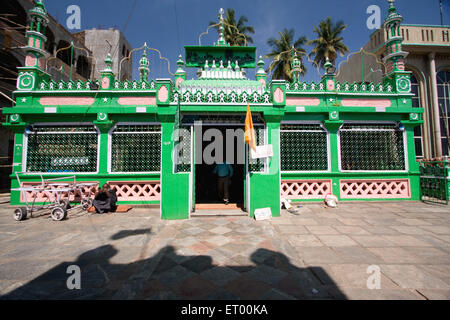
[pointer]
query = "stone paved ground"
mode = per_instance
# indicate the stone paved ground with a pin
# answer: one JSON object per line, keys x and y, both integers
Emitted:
{"x": 319, "y": 254}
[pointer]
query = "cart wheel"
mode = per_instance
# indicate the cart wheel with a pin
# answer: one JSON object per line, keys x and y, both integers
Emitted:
{"x": 66, "y": 204}
{"x": 86, "y": 203}
{"x": 59, "y": 214}
{"x": 20, "y": 214}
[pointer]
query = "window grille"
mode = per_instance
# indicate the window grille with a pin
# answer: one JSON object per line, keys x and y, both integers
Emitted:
{"x": 257, "y": 165}
{"x": 136, "y": 148}
{"x": 371, "y": 147}
{"x": 58, "y": 149}
{"x": 304, "y": 147}
{"x": 183, "y": 150}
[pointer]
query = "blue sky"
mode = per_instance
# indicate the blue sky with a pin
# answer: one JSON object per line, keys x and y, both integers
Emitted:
{"x": 168, "y": 25}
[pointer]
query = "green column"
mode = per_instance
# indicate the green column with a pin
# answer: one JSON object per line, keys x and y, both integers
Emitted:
{"x": 174, "y": 186}
{"x": 333, "y": 127}
{"x": 265, "y": 187}
{"x": 104, "y": 127}
{"x": 18, "y": 130}
{"x": 413, "y": 165}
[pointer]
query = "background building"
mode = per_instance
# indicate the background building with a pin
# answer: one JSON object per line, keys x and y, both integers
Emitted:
{"x": 429, "y": 62}
{"x": 102, "y": 42}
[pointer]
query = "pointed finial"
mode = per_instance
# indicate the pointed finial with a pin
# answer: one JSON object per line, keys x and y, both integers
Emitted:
{"x": 40, "y": 3}
{"x": 229, "y": 65}
{"x": 237, "y": 66}
{"x": 180, "y": 61}
{"x": 109, "y": 63}
{"x": 260, "y": 62}
{"x": 206, "y": 65}
{"x": 221, "y": 41}
{"x": 221, "y": 64}
{"x": 214, "y": 64}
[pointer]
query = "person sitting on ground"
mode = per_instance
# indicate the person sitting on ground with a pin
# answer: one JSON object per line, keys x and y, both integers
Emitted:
{"x": 105, "y": 200}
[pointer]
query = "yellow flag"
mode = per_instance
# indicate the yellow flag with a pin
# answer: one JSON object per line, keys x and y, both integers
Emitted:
{"x": 249, "y": 131}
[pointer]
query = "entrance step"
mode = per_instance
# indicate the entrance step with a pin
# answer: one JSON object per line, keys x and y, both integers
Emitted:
{"x": 219, "y": 213}
{"x": 216, "y": 206}
{"x": 217, "y": 209}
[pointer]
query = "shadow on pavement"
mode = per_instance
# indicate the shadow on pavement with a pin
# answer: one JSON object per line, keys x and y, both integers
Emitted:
{"x": 168, "y": 275}
{"x": 128, "y": 233}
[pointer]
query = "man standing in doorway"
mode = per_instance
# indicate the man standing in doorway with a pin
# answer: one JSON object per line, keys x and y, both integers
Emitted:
{"x": 224, "y": 173}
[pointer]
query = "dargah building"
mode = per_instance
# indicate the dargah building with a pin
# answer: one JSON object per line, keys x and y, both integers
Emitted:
{"x": 146, "y": 138}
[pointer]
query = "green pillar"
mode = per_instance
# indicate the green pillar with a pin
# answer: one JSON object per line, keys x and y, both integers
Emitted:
{"x": 103, "y": 126}
{"x": 174, "y": 186}
{"x": 265, "y": 186}
{"x": 333, "y": 127}
{"x": 18, "y": 128}
{"x": 413, "y": 165}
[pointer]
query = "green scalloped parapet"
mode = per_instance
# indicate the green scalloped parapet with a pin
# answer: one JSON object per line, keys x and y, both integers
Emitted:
{"x": 345, "y": 87}
{"x": 90, "y": 85}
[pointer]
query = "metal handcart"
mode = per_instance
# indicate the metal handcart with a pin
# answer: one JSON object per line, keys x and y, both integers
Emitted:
{"x": 54, "y": 191}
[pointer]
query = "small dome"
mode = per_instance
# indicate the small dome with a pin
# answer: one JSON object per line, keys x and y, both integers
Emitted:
{"x": 144, "y": 60}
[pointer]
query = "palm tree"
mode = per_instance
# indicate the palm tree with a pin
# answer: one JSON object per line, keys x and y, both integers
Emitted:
{"x": 282, "y": 54}
{"x": 236, "y": 33}
{"x": 329, "y": 42}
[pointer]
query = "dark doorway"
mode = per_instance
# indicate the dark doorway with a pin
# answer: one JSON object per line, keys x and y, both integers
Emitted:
{"x": 206, "y": 189}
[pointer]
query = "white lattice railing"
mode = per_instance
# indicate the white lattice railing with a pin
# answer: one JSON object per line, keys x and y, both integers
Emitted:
{"x": 137, "y": 190}
{"x": 375, "y": 189}
{"x": 305, "y": 189}
{"x": 50, "y": 196}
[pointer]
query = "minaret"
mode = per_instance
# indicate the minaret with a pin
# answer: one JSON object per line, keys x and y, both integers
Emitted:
{"x": 143, "y": 65}
{"x": 296, "y": 66}
{"x": 261, "y": 74}
{"x": 107, "y": 74}
{"x": 180, "y": 75}
{"x": 394, "y": 60}
{"x": 35, "y": 54}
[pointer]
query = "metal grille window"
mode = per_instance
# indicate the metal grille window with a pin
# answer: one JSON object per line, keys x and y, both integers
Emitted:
{"x": 418, "y": 138}
{"x": 443, "y": 87}
{"x": 136, "y": 148}
{"x": 62, "y": 149}
{"x": 304, "y": 147}
{"x": 183, "y": 150}
{"x": 257, "y": 165}
{"x": 371, "y": 147}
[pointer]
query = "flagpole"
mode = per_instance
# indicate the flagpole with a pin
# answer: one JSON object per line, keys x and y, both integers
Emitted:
{"x": 442, "y": 20}
{"x": 71, "y": 60}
